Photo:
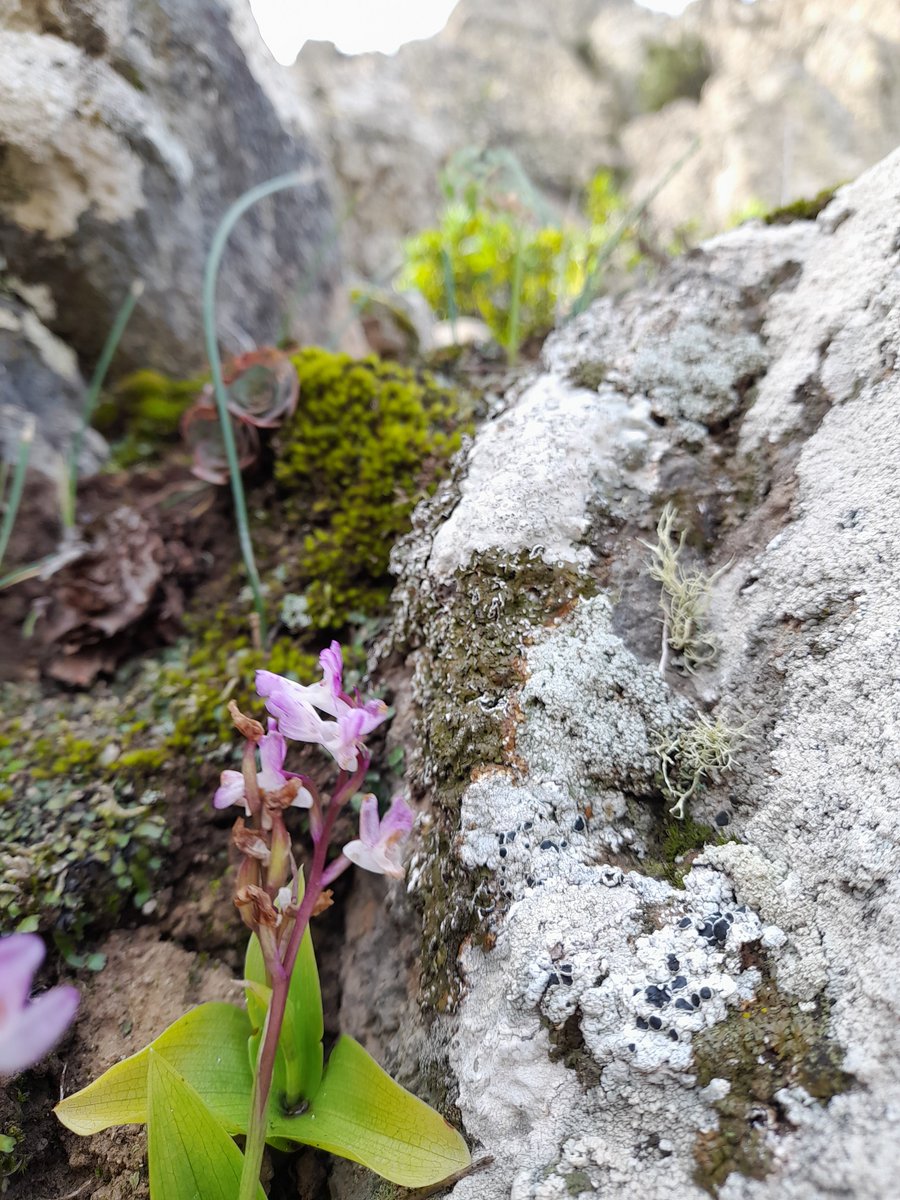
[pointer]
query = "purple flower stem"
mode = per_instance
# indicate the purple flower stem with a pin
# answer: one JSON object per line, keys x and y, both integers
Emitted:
{"x": 336, "y": 867}
{"x": 280, "y": 973}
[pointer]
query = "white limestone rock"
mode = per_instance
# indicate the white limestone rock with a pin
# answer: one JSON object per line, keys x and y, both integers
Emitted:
{"x": 803, "y": 906}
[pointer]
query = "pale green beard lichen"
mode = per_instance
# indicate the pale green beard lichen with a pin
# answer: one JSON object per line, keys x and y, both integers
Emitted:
{"x": 696, "y": 754}
{"x": 685, "y": 596}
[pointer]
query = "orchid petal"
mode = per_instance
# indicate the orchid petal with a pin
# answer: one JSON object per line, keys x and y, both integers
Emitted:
{"x": 398, "y": 820}
{"x": 332, "y": 663}
{"x": 361, "y": 855}
{"x": 302, "y": 723}
{"x": 349, "y": 732}
{"x": 283, "y": 696}
{"x": 374, "y": 712}
{"x": 20, "y": 956}
{"x": 272, "y": 749}
{"x": 36, "y": 1029}
{"x": 230, "y": 791}
{"x": 380, "y": 844}
{"x": 297, "y": 709}
{"x": 303, "y": 799}
{"x": 368, "y": 820}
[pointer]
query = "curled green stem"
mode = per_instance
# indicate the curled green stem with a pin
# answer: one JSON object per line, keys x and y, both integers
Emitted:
{"x": 210, "y": 278}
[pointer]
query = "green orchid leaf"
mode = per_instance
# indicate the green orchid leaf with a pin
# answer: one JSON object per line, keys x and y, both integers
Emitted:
{"x": 300, "y": 1057}
{"x": 190, "y": 1155}
{"x": 207, "y": 1046}
{"x": 360, "y": 1113}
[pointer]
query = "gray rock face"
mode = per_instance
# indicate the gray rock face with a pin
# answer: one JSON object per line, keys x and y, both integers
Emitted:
{"x": 386, "y": 150}
{"x": 801, "y": 96}
{"x": 40, "y": 384}
{"x": 126, "y": 129}
{"x": 499, "y": 76}
{"x": 630, "y": 1020}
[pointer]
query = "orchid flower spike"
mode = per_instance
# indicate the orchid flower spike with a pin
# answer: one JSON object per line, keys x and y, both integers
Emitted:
{"x": 28, "y": 1031}
{"x": 298, "y": 709}
{"x": 380, "y": 845}
{"x": 271, "y": 778}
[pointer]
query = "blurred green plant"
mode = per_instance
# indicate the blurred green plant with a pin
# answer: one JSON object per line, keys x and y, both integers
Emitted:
{"x": 673, "y": 70}
{"x": 141, "y": 416}
{"x": 501, "y": 253}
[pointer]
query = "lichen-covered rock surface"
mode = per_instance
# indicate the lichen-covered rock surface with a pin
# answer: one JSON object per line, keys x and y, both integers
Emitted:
{"x": 126, "y": 131}
{"x": 637, "y": 1006}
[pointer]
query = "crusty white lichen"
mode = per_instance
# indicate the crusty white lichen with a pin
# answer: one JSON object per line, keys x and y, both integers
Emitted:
{"x": 636, "y": 966}
{"x": 532, "y": 472}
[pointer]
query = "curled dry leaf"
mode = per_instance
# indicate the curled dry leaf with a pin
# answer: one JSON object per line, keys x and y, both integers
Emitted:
{"x": 121, "y": 578}
{"x": 201, "y": 430}
{"x": 263, "y": 387}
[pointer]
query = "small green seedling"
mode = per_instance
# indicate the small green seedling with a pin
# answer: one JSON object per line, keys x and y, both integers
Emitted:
{"x": 684, "y": 599}
{"x": 693, "y": 755}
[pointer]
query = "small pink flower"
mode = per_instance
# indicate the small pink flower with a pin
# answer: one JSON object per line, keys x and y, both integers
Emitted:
{"x": 271, "y": 778}
{"x": 380, "y": 845}
{"x": 295, "y": 705}
{"x": 28, "y": 1031}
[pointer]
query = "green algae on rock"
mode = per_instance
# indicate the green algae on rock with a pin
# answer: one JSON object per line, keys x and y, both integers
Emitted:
{"x": 770, "y": 1044}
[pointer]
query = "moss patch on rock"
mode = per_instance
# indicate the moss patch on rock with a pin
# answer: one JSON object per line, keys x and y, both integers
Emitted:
{"x": 142, "y": 416}
{"x": 801, "y": 210}
{"x": 369, "y": 440}
{"x": 769, "y": 1044}
{"x": 677, "y": 843}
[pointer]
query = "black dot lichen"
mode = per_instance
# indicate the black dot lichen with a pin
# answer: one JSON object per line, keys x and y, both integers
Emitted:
{"x": 769, "y": 1044}
{"x": 368, "y": 440}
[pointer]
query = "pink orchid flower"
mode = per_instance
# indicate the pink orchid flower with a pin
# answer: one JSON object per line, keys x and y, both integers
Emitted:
{"x": 295, "y": 705}
{"x": 28, "y": 1031}
{"x": 380, "y": 845}
{"x": 271, "y": 778}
